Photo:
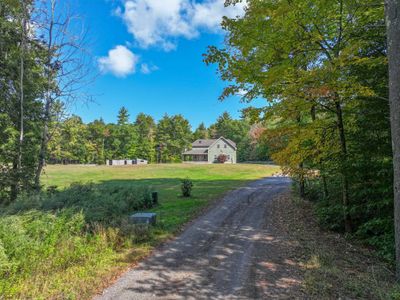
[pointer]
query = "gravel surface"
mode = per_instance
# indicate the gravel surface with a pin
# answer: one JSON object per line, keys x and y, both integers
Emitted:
{"x": 232, "y": 252}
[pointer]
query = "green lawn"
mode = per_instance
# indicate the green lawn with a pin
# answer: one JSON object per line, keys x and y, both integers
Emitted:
{"x": 59, "y": 257}
{"x": 210, "y": 181}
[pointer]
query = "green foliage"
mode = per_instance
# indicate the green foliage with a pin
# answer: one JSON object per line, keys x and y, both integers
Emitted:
{"x": 66, "y": 228}
{"x": 323, "y": 70}
{"x": 123, "y": 116}
{"x": 35, "y": 239}
{"x": 146, "y": 130}
{"x": 65, "y": 243}
{"x": 173, "y": 136}
{"x": 201, "y": 132}
{"x": 75, "y": 142}
{"x": 21, "y": 77}
{"x": 186, "y": 187}
{"x": 98, "y": 203}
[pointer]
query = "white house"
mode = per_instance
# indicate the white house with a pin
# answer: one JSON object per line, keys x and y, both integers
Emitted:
{"x": 211, "y": 151}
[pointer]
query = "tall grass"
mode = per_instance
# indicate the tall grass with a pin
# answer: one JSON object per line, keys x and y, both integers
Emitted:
{"x": 69, "y": 244}
{"x": 48, "y": 233}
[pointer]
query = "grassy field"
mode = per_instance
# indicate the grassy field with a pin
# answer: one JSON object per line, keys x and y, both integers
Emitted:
{"x": 210, "y": 181}
{"x": 57, "y": 253}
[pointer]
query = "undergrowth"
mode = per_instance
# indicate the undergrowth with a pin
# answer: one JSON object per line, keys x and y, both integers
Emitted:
{"x": 51, "y": 233}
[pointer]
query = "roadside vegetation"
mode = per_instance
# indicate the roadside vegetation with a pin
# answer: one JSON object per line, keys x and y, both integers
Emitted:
{"x": 70, "y": 240}
{"x": 331, "y": 266}
{"x": 323, "y": 67}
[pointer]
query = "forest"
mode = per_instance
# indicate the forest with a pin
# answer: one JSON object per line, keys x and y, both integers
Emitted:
{"x": 72, "y": 141}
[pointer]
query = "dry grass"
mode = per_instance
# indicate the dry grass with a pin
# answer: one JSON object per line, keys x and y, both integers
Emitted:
{"x": 332, "y": 266}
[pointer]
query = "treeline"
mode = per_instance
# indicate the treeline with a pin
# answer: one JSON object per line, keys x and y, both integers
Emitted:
{"x": 323, "y": 68}
{"x": 43, "y": 68}
{"x": 73, "y": 141}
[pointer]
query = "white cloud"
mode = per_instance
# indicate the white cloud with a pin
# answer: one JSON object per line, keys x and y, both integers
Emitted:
{"x": 161, "y": 22}
{"x": 120, "y": 62}
{"x": 147, "y": 69}
{"x": 209, "y": 14}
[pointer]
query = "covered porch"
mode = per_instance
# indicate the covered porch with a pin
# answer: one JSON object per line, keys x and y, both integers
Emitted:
{"x": 196, "y": 155}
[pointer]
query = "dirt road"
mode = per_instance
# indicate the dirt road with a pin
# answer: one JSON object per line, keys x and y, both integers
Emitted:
{"x": 231, "y": 252}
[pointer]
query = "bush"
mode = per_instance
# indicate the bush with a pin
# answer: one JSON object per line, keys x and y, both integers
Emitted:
{"x": 104, "y": 204}
{"x": 35, "y": 239}
{"x": 46, "y": 233}
{"x": 186, "y": 187}
{"x": 222, "y": 158}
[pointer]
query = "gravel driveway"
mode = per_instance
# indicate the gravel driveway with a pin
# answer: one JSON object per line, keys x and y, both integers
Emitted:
{"x": 231, "y": 252}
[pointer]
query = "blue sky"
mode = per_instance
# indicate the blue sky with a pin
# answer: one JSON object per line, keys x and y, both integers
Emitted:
{"x": 149, "y": 57}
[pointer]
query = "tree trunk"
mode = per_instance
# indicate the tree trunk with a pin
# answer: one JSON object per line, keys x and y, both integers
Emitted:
{"x": 392, "y": 11}
{"x": 18, "y": 165}
{"x": 345, "y": 181}
{"x": 48, "y": 99}
{"x": 43, "y": 145}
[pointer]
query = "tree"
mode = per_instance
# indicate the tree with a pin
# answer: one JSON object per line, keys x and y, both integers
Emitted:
{"x": 236, "y": 130}
{"x": 393, "y": 39}
{"x": 97, "y": 134}
{"x": 146, "y": 130}
{"x": 301, "y": 58}
{"x": 21, "y": 84}
{"x": 201, "y": 132}
{"x": 65, "y": 66}
{"x": 123, "y": 116}
{"x": 75, "y": 145}
{"x": 173, "y": 136}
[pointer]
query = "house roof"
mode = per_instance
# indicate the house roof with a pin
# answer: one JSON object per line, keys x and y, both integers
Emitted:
{"x": 205, "y": 143}
{"x": 231, "y": 142}
{"x": 196, "y": 151}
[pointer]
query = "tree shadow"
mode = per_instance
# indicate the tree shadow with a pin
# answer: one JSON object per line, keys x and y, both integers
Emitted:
{"x": 106, "y": 202}
{"x": 231, "y": 252}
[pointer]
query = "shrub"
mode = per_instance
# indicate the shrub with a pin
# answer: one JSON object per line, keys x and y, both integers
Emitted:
{"x": 222, "y": 158}
{"x": 34, "y": 243}
{"x": 186, "y": 187}
{"x": 48, "y": 232}
{"x": 104, "y": 204}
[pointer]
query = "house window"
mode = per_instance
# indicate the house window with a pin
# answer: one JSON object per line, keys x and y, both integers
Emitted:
{"x": 215, "y": 156}
{"x": 229, "y": 157}
{"x": 218, "y": 146}
{"x": 224, "y": 145}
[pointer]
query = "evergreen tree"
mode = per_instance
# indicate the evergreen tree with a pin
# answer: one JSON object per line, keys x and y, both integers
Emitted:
{"x": 201, "y": 132}
{"x": 235, "y": 130}
{"x": 123, "y": 116}
{"x": 97, "y": 135}
{"x": 173, "y": 137}
{"x": 146, "y": 130}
